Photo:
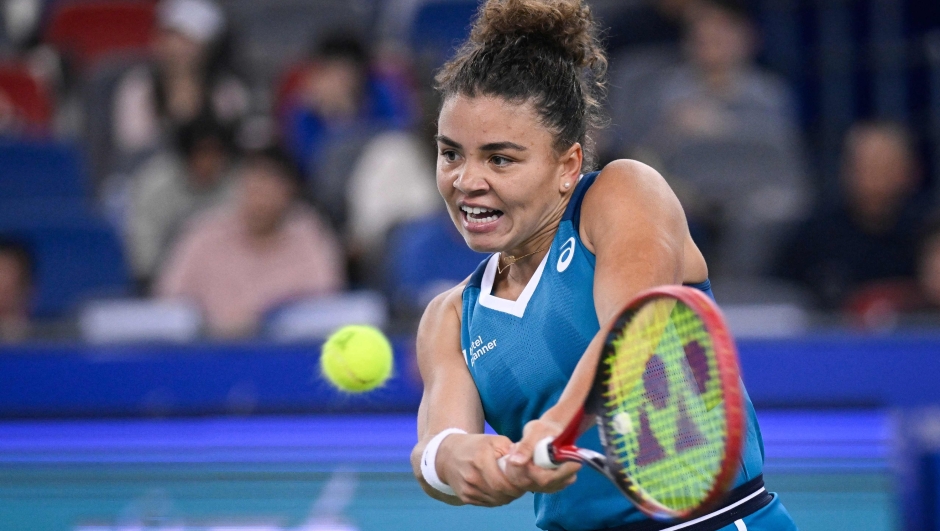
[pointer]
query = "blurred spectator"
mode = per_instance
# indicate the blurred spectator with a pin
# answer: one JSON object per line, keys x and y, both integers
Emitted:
{"x": 928, "y": 266}
{"x": 16, "y": 283}
{"x": 19, "y": 24}
{"x": 26, "y": 103}
{"x": 724, "y": 133}
{"x": 260, "y": 249}
{"x": 880, "y": 305}
{"x": 23, "y": 52}
{"x": 186, "y": 78}
{"x": 10, "y": 121}
{"x": 646, "y": 23}
{"x": 871, "y": 235}
{"x": 172, "y": 186}
{"x": 392, "y": 181}
{"x": 333, "y": 105}
{"x": 644, "y": 46}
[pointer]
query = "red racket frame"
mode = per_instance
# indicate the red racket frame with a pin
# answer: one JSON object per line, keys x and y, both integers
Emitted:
{"x": 562, "y": 448}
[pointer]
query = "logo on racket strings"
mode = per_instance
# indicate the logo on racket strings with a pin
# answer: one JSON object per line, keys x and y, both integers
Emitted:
{"x": 665, "y": 425}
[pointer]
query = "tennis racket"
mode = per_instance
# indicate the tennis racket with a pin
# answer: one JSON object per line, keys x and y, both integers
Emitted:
{"x": 667, "y": 401}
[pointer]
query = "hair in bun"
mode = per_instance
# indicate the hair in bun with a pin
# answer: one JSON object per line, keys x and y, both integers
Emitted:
{"x": 546, "y": 52}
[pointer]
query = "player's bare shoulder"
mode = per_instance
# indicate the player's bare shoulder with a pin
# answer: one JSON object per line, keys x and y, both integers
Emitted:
{"x": 439, "y": 330}
{"x": 631, "y": 181}
{"x": 443, "y": 304}
{"x": 630, "y": 202}
{"x": 624, "y": 192}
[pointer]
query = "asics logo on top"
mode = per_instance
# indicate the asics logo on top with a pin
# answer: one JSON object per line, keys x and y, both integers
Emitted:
{"x": 567, "y": 253}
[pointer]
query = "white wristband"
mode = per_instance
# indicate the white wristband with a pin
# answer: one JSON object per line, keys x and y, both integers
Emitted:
{"x": 428, "y": 458}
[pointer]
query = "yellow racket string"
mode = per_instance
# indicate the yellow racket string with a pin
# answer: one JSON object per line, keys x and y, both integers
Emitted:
{"x": 664, "y": 414}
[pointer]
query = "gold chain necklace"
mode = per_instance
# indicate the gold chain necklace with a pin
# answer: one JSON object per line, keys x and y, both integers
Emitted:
{"x": 510, "y": 260}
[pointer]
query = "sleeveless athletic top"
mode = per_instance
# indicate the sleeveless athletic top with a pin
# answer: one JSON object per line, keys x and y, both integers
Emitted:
{"x": 521, "y": 354}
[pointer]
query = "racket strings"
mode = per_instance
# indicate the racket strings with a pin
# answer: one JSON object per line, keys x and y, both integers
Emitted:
{"x": 663, "y": 405}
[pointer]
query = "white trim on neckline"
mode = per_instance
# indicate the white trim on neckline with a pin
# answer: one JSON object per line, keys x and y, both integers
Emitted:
{"x": 516, "y": 307}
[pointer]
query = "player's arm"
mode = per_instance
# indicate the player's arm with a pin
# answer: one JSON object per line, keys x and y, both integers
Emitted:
{"x": 635, "y": 226}
{"x": 465, "y": 462}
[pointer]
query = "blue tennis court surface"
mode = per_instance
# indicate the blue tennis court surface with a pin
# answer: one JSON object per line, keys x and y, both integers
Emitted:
{"x": 279, "y": 473}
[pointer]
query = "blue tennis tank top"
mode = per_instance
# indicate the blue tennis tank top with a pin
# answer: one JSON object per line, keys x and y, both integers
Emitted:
{"x": 521, "y": 354}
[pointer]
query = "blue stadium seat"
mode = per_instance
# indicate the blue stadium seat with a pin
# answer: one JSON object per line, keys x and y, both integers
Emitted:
{"x": 41, "y": 169}
{"x": 424, "y": 257}
{"x": 45, "y": 203}
{"x": 41, "y": 211}
{"x": 439, "y": 27}
{"x": 75, "y": 260}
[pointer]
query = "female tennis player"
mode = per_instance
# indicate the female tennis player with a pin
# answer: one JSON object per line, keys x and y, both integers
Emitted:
{"x": 516, "y": 344}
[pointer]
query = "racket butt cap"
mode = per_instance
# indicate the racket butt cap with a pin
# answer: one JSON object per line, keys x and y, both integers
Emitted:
{"x": 541, "y": 456}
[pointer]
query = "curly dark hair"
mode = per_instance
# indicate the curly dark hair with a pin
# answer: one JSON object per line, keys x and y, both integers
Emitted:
{"x": 546, "y": 52}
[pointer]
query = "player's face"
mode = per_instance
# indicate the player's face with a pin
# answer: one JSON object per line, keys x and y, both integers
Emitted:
{"x": 498, "y": 171}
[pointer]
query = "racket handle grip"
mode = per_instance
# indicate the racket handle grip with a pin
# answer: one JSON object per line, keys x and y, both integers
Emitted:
{"x": 541, "y": 456}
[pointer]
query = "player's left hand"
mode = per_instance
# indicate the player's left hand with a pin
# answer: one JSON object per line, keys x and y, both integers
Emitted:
{"x": 523, "y": 473}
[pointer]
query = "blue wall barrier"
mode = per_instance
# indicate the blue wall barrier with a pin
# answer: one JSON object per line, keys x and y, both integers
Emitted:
{"x": 843, "y": 370}
{"x": 210, "y": 378}
{"x": 195, "y": 379}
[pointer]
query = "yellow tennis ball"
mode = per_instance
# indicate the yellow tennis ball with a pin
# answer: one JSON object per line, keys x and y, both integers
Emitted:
{"x": 356, "y": 358}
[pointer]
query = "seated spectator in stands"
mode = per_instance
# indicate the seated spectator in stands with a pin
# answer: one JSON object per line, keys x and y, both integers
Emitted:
{"x": 11, "y": 123}
{"x": 21, "y": 43}
{"x": 172, "y": 186}
{"x": 646, "y": 23}
{"x": 882, "y": 304}
{"x": 392, "y": 181}
{"x": 928, "y": 266}
{"x": 20, "y": 24}
{"x": 16, "y": 281}
{"x": 724, "y": 133}
{"x": 870, "y": 236}
{"x": 644, "y": 46}
{"x": 337, "y": 89}
{"x": 259, "y": 249}
{"x": 187, "y": 77}
{"x": 337, "y": 102}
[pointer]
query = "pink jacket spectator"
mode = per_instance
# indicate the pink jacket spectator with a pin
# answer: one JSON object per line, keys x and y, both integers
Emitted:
{"x": 235, "y": 279}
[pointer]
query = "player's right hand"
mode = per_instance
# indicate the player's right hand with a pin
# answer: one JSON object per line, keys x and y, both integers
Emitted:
{"x": 468, "y": 463}
{"x": 525, "y": 474}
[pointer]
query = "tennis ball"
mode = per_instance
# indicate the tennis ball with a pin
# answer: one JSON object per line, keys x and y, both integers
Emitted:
{"x": 356, "y": 358}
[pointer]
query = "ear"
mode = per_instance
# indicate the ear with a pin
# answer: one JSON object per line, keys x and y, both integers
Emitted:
{"x": 570, "y": 168}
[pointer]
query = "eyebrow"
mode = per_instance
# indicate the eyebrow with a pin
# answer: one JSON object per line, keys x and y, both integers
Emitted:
{"x": 492, "y": 146}
{"x": 502, "y": 146}
{"x": 446, "y": 141}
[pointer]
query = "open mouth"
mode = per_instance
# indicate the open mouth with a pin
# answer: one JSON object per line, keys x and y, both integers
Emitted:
{"x": 480, "y": 214}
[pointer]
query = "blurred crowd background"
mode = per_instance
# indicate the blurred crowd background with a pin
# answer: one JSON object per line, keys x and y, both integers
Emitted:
{"x": 242, "y": 168}
{"x": 193, "y": 193}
